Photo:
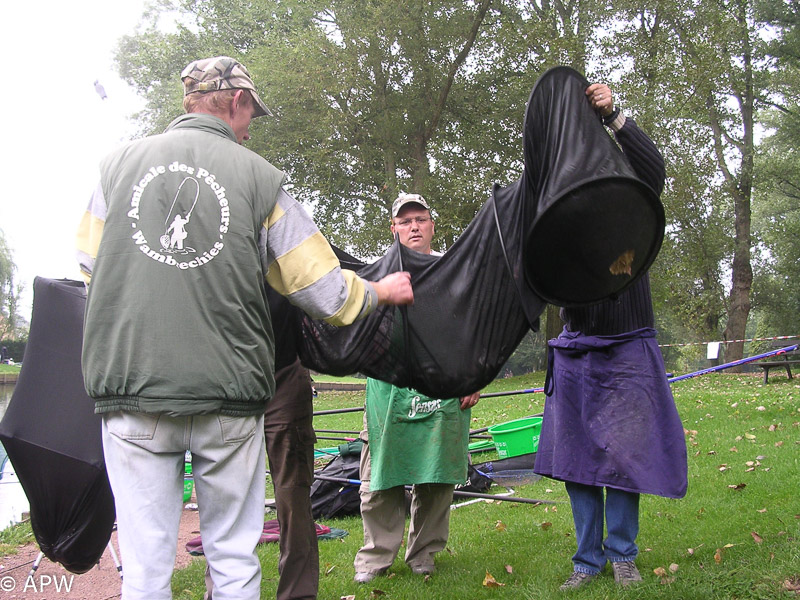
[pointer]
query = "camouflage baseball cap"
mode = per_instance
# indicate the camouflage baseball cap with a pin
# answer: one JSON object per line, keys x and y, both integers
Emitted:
{"x": 404, "y": 199}
{"x": 220, "y": 73}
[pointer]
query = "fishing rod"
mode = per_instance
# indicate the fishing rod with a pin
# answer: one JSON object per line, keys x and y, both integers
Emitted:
{"x": 735, "y": 363}
{"x": 497, "y": 394}
{"x": 337, "y": 411}
{"x": 336, "y": 431}
{"x": 455, "y": 492}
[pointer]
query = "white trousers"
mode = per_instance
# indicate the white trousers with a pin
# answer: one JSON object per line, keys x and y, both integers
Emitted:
{"x": 144, "y": 457}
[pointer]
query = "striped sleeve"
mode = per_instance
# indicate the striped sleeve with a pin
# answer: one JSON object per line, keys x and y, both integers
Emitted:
{"x": 90, "y": 231}
{"x": 301, "y": 265}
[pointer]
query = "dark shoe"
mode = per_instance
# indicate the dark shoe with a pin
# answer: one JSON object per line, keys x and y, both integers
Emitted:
{"x": 576, "y": 580}
{"x": 625, "y": 572}
{"x": 367, "y": 576}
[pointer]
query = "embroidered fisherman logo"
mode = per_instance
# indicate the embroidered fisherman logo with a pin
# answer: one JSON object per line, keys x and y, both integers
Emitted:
{"x": 174, "y": 195}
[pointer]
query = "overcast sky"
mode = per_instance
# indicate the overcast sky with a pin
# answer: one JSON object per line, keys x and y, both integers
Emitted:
{"x": 57, "y": 128}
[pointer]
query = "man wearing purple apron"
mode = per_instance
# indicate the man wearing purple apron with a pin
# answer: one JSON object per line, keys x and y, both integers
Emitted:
{"x": 610, "y": 420}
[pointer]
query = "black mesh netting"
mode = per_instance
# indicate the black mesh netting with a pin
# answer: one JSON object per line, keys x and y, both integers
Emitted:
{"x": 53, "y": 437}
{"x": 577, "y": 227}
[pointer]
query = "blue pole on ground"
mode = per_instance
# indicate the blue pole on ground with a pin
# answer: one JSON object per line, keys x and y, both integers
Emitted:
{"x": 735, "y": 363}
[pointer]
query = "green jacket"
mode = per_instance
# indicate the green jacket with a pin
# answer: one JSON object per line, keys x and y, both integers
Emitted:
{"x": 177, "y": 320}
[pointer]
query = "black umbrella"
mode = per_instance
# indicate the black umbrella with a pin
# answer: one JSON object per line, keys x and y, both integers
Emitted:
{"x": 52, "y": 436}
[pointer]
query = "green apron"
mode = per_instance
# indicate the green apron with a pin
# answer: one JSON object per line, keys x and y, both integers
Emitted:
{"x": 414, "y": 438}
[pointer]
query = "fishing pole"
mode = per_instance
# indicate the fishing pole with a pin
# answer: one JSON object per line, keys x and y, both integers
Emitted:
{"x": 455, "y": 492}
{"x": 338, "y": 411}
{"x": 735, "y": 363}
{"x": 497, "y": 394}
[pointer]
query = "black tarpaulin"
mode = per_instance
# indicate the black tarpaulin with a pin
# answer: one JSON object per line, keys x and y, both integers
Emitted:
{"x": 552, "y": 234}
{"x": 52, "y": 436}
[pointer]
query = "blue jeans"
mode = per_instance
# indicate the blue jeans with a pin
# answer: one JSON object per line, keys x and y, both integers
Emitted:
{"x": 622, "y": 519}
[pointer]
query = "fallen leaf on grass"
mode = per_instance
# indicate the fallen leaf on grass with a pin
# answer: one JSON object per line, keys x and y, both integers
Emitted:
{"x": 756, "y": 538}
{"x": 500, "y": 526}
{"x": 509, "y": 569}
{"x": 718, "y": 556}
{"x": 738, "y": 486}
{"x": 660, "y": 571}
{"x": 749, "y": 436}
{"x": 350, "y": 597}
{"x": 546, "y": 525}
{"x": 376, "y": 592}
{"x": 762, "y": 510}
{"x": 490, "y": 581}
{"x": 772, "y": 427}
{"x": 691, "y": 551}
{"x": 329, "y": 568}
{"x": 792, "y": 584}
{"x": 778, "y": 444}
{"x": 673, "y": 568}
{"x": 734, "y": 449}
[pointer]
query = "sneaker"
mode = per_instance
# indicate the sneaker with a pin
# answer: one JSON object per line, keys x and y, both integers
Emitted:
{"x": 367, "y": 576}
{"x": 576, "y": 580}
{"x": 625, "y": 572}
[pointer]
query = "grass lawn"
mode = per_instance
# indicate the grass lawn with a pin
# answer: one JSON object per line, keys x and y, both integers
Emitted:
{"x": 10, "y": 368}
{"x": 734, "y": 536}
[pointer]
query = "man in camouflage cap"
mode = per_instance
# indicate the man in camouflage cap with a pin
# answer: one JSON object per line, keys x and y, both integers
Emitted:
{"x": 179, "y": 350}
{"x": 221, "y": 73}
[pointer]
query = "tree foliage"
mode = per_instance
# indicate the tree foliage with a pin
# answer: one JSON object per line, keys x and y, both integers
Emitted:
{"x": 376, "y": 97}
{"x": 12, "y": 325}
{"x": 777, "y": 207}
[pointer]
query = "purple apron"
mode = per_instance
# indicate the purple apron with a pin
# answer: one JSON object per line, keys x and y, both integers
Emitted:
{"x": 609, "y": 418}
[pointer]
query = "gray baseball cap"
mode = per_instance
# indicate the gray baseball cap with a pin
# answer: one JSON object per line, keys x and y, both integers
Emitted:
{"x": 404, "y": 199}
{"x": 220, "y": 73}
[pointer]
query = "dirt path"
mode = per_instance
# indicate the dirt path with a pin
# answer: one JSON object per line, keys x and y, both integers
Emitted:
{"x": 52, "y": 581}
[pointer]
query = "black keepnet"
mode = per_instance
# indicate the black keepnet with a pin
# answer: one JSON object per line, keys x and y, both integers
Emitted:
{"x": 465, "y": 322}
{"x": 590, "y": 209}
{"x": 52, "y": 436}
{"x": 551, "y": 235}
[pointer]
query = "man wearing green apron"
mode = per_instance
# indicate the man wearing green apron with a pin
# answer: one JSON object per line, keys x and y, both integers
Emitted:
{"x": 411, "y": 439}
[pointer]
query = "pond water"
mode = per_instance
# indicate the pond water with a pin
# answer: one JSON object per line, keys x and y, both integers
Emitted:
{"x": 5, "y": 397}
{"x": 13, "y": 501}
